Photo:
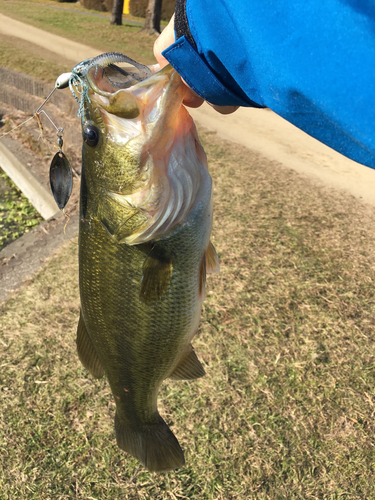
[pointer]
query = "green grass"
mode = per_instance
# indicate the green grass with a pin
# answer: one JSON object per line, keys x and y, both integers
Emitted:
{"x": 286, "y": 410}
{"x": 83, "y": 28}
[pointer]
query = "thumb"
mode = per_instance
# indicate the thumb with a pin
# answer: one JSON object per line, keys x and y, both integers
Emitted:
{"x": 164, "y": 40}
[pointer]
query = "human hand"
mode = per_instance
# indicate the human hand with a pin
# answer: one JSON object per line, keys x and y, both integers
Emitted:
{"x": 191, "y": 99}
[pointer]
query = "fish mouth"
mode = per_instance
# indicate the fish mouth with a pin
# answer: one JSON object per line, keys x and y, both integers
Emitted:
{"x": 117, "y": 76}
{"x": 125, "y": 99}
{"x": 111, "y": 79}
{"x": 116, "y": 89}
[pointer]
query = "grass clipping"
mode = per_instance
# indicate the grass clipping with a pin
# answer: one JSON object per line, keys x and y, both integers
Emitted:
{"x": 286, "y": 410}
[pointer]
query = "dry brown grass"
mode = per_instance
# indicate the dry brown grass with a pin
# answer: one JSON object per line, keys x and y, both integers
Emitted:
{"x": 286, "y": 410}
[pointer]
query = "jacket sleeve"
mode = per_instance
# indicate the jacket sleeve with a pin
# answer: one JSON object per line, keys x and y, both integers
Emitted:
{"x": 313, "y": 63}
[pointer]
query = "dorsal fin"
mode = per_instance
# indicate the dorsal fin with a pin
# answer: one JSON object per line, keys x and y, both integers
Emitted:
{"x": 212, "y": 260}
{"x": 189, "y": 367}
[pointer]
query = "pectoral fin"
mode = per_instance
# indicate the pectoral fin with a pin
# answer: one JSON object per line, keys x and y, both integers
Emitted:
{"x": 86, "y": 351}
{"x": 157, "y": 273}
{"x": 212, "y": 260}
{"x": 189, "y": 367}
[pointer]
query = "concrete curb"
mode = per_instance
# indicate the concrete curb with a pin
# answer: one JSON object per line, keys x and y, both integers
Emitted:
{"x": 41, "y": 199}
{"x": 21, "y": 259}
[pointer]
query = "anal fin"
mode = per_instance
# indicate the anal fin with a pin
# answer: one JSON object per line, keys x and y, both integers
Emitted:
{"x": 86, "y": 351}
{"x": 189, "y": 368}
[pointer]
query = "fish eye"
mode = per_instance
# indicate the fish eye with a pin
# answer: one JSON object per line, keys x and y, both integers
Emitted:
{"x": 91, "y": 135}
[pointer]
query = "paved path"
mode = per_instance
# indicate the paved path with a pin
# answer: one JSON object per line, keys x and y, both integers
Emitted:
{"x": 260, "y": 130}
{"x": 273, "y": 137}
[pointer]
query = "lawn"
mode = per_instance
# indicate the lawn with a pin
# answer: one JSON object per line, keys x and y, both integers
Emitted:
{"x": 286, "y": 410}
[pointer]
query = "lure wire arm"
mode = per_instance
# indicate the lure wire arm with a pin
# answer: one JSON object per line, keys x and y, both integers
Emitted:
{"x": 45, "y": 100}
{"x": 58, "y": 130}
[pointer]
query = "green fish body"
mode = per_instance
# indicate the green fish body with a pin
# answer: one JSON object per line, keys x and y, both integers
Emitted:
{"x": 144, "y": 249}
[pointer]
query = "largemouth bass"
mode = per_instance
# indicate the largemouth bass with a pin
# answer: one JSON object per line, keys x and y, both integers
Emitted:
{"x": 144, "y": 245}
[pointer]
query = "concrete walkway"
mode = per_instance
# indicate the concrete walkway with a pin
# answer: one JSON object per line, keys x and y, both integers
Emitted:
{"x": 259, "y": 130}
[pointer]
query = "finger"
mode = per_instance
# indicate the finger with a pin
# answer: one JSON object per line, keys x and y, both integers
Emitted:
{"x": 191, "y": 99}
{"x": 224, "y": 110}
{"x": 164, "y": 40}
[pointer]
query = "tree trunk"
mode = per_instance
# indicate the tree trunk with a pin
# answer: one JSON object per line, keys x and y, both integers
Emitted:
{"x": 153, "y": 16}
{"x": 117, "y": 9}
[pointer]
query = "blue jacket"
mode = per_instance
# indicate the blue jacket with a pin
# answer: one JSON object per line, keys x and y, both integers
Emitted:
{"x": 311, "y": 61}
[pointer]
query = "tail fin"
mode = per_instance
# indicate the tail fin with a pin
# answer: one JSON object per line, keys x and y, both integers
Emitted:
{"x": 154, "y": 445}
